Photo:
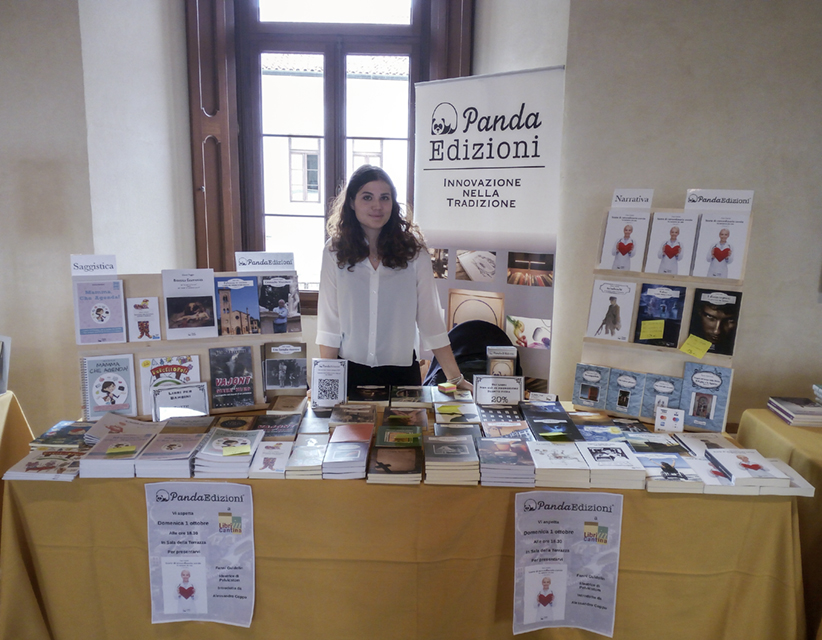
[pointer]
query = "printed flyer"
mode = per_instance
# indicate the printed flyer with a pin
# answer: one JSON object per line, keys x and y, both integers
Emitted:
{"x": 566, "y": 560}
{"x": 201, "y": 552}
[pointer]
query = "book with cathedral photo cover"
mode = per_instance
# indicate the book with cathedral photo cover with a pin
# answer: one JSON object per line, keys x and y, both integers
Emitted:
{"x": 714, "y": 317}
{"x": 659, "y": 315}
{"x": 232, "y": 377}
{"x": 705, "y": 393}
{"x": 238, "y": 309}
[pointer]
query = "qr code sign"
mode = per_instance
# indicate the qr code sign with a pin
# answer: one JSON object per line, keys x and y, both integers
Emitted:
{"x": 328, "y": 389}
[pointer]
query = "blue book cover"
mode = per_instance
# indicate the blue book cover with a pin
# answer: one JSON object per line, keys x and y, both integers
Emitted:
{"x": 625, "y": 390}
{"x": 705, "y": 393}
{"x": 660, "y": 391}
{"x": 659, "y": 303}
{"x": 591, "y": 386}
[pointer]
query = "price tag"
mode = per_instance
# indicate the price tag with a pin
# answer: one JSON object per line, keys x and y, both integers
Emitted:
{"x": 498, "y": 389}
{"x": 695, "y": 346}
{"x": 652, "y": 329}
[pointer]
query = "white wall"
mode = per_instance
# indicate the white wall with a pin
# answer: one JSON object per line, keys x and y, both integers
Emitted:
{"x": 672, "y": 95}
{"x": 94, "y": 158}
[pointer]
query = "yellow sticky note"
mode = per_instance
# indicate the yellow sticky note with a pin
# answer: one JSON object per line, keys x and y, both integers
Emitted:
{"x": 120, "y": 449}
{"x": 241, "y": 450}
{"x": 695, "y": 346}
{"x": 651, "y": 329}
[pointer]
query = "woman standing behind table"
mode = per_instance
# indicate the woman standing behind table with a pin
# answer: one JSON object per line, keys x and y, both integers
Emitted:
{"x": 377, "y": 287}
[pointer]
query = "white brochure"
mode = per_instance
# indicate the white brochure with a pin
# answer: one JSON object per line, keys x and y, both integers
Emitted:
{"x": 201, "y": 552}
{"x": 566, "y": 560}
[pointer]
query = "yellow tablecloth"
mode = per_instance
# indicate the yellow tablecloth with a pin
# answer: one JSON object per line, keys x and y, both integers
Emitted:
{"x": 15, "y": 434}
{"x": 801, "y": 447}
{"x": 344, "y": 560}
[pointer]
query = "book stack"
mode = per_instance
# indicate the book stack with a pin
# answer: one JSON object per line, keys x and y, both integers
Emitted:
{"x": 455, "y": 412}
{"x": 226, "y": 453}
{"x": 113, "y": 456}
{"x": 648, "y": 442}
{"x": 549, "y": 422}
{"x": 716, "y": 482}
{"x": 559, "y": 464}
{"x": 697, "y": 443}
{"x": 817, "y": 392}
{"x": 112, "y": 424}
{"x": 65, "y": 435}
{"x": 346, "y": 455}
{"x": 396, "y": 457}
{"x": 747, "y": 467}
{"x": 168, "y": 455}
{"x": 313, "y": 424}
{"x": 450, "y": 397}
{"x": 613, "y": 465}
{"x": 352, "y": 414}
{"x": 51, "y": 464}
{"x": 797, "y": 412}
{"x": 279, "y": 428}
{"x": 505, "y": 463}
{"x": 270, "y": 460}
{"x": 405, "y": 417}
{"x": 799, "y": 486}
{"x": 287, "y": 404}
{"x": 411, "y": 397}
{"x": 453, "y": 429}
{"x": 451, "y": 460}
{"x": 669, "y": 473}
{"x": 306, "y": 462}
{"x": 376, "y": 394}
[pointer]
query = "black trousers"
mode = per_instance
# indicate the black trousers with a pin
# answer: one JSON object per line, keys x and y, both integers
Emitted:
{"x": 359, "y": 374}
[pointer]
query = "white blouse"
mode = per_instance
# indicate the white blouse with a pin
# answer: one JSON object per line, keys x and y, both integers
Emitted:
{"x": 372, "y": 315}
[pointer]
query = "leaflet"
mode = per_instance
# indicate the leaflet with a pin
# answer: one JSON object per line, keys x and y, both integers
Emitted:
{"x": 566, "y": 560}
{"x": 201, "y": 552}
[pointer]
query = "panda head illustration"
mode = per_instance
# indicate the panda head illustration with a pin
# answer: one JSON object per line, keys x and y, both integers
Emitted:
{"x": 444, "y": 119}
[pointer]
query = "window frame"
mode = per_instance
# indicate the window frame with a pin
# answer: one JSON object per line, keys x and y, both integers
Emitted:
{"x": 226, "y": 161}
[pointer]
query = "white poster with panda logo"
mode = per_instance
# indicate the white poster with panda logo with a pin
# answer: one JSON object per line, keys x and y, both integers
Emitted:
{"x": 487, "y": 201}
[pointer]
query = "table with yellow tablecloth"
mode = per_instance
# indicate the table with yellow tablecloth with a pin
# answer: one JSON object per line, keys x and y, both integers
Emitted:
{"x": 347, "y": 560}
{"x": 801, "y": 447}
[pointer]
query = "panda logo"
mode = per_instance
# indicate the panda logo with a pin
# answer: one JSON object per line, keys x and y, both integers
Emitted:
{"x": 444, "y": 119}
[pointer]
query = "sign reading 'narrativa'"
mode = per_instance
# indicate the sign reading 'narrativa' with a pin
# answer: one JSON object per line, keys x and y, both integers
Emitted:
{"x": 488, "y": 153}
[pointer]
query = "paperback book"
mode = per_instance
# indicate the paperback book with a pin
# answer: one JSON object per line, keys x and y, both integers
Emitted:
{"x": 459, "y": 429}
{"x": 285, "y": 367}
{"x": 279, "y": 428}
{"x": 114, "y": 455}
{"x": 660, "y": 391}
{"x": 411, "y": 396}
{"x": 143, "y": 316}
{"x": 238, "y": 309}
{"x": 799, "y": 486}
{"x": 375, "y": 394}
{"x": 548, "y": 421}
{"x": 697, "y": 443}
{"x": 168, "y": 455}
{"x": 107, "y": 383}
{"x": 232, "y": 378}
{"x": 591, "y": 386}
{"x": 99, "y": 314}
{"x": 226, "y": 453}
{"x": 625, "y": 389}
{"x": 659, "y": 315}
{"x": 505, "y": 463}
{"x": 671, "y": 243}
{"x": 236, "y": 423}
{"x": 270, "y": 460}
{"x": 352, "y": 414}
{"x": 559, "y": 464}
{"x": 651, "y": 442}
{"x": 717, "y": 483}
{"x": 705, "y": 393}
{"x": 457, "y": 412}
{"x": 345, "y": 460}
{"x": 626, "y": 232}
{"x": 613, "y": 465}
{"x": 279, "y": 303}
{"x": 714, "y": 317}
{"x": 53, "y": 464}
{"x": 168, "y": 372}
{"x": 721, "y": 245}
{"x": 388, "y": 436}
{"x": 404, "y": 417}
{"x": 288, "y": 404}
{"x": 113, "y": 424}
{"x": 395, "y": 466}
{"x": 190, "y": 307}
{"x": 799, "y": 412}
{"x": 612, "y": 308}
{"x": 747, "y": 467}
{"x": 306, "y": 462}
{"x": 670, "y": 473}
{"x": 66, "y": 435}
{"x": 451, "y": 460}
